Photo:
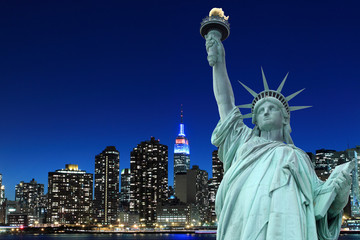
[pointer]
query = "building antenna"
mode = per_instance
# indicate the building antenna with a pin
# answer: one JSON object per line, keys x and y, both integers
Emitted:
{"x": 181, "y": 114}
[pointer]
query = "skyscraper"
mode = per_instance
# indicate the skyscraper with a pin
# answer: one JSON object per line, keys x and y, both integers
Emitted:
{"x": 181, "y": 150}
{"x": 217, "y": 169}
{"x": 214, "y": 182}
{"x": 125, "y": 189}
{"x": 2, "y": 202}
{"x": 30, "y": 195}
{"x": 149, "y": 179}
{"x": 106, "y": 195}
{"x": 326, "y": 160}
{"x": 2, "y": 191}
{"x": 70, "y": 196}
{"x": 354, "y": 193}
{"x": 192, "y": 188}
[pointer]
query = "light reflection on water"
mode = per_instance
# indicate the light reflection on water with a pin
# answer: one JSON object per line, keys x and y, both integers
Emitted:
{"x": 130, "y": 236}
{"x": 110, "y": 236}
{"x": 349, "y": 236}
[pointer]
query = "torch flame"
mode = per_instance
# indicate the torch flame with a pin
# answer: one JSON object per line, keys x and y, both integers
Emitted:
{"x": 218, "y": 12}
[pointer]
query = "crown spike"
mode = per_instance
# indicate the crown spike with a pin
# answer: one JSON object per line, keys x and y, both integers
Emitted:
{"x": 266, "y": 86}
{"x": 249, "y": 90}
{"x": 294, "y": 108}
{"x": 249, "y": 115}
{"x": 288, "y": 98}
{"x": 282, "y": 84}
{"x": 245, "y": 106}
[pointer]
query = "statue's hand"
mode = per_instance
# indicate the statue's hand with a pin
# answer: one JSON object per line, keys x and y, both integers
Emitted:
{"x": 342, "y": 185}
{"x": 214, "y": 48}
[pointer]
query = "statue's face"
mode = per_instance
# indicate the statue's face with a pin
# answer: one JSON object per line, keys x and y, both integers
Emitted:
{"x": 269, "y": 117}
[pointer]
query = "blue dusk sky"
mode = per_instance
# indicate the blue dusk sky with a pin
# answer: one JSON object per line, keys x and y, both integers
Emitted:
{"x": 77, "y": 76}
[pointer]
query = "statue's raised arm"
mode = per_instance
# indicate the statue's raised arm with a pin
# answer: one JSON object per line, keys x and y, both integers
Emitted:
{"x": 215, "y": 29}
{"x": 222, "y": 87}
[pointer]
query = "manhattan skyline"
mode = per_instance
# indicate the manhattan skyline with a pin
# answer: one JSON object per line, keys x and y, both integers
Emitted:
{"x": 76, "y": 77}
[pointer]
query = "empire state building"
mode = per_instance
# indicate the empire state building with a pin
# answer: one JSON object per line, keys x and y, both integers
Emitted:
{"x": 181, "y": 151}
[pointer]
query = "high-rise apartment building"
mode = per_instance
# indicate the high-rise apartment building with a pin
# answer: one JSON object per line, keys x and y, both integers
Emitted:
{"x": 106, "y": 194}
{"x": 354, "y": 193}
{"x": 2, "y": 191}
{"x": 217, "y": 169}
{"x": 192, "y": 188}
{"x": 214, "y": 182}
{"x": 149, "y": 179}
{"x": 70, "y": 196}
{"x": 326, "y": 160}
{"x": 181, "y": 151}
{"x": 212, "y": 197}
{"x": 30, "y": 195}
{"x": 2, "y": 201}
{"x": 125, "y": 190}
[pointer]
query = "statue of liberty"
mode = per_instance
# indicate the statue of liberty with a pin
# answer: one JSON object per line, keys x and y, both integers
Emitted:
{"x": 270, "y": 189}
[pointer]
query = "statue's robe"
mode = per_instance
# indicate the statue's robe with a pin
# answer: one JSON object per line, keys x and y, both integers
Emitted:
{"x": 269, "y": 190}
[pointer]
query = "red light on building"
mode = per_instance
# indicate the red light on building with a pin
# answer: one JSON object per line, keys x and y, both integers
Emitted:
{"x": 180, "y": 141}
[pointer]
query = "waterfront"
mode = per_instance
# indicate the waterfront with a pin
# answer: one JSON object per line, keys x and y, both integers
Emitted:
{"x": 349, "y": 236}
{"x": 109, "y": 236}
{"x": 129, "y": 236}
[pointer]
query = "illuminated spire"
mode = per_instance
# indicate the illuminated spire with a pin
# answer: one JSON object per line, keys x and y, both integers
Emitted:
{"x": 181, "y": 114}
{"x": 181, "y": 132}
{"x": 181, "y": 150}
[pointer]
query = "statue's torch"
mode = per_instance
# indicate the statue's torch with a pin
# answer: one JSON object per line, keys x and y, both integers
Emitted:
{"x": 216, "y": 25}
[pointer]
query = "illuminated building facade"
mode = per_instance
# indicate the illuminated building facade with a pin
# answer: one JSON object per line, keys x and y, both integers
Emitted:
{"x": 181, "y": 151}
{"x": 192, "y": 188}
{"x": 173, "y": 213}
{"x": 2, "y": 191}
{"x": 217, "y": 169}
{"x": 30, "y": 195}
{"x": 18, "y": 220}
{"x": 149, "y": 179}
{"x": 325, "y": 163}
{"x": 12, "y": 211}
{"x": 125, "y": 190}
{"x": 106, "y": 195}
{"x": 70, "y": 196}
{"x": 128, "y": 219}
{"x": 354, "y": 153}
{"x": 2, "y": 202}
{"x": 212, "y": 197}
{"x": 214, "y": 183}
{"x": 354, "y": 193}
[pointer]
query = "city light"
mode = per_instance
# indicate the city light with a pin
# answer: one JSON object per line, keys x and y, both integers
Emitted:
{"x": 148, "y": 170}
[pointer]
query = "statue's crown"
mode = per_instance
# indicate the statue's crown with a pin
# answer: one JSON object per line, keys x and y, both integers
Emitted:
{"x": 268, "y": 93}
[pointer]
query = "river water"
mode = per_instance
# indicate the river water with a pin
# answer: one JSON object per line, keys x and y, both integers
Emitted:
{"x": 109, "y": 236}
{"x": 128, "y": 236}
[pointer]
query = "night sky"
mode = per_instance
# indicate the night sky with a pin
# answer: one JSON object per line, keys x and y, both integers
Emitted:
{"x": 77, "y": 76}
